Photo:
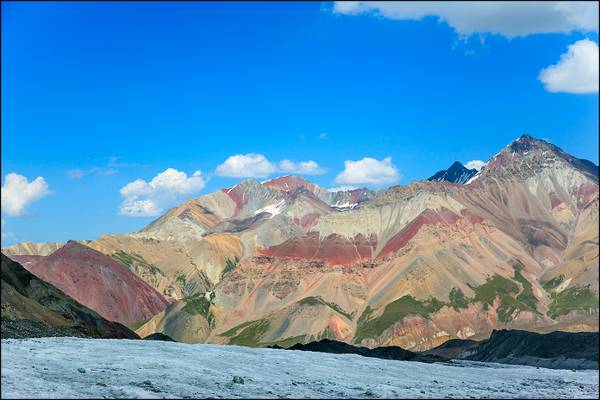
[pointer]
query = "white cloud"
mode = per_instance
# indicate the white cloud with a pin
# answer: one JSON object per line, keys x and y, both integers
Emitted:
{"x": 323, "y": 136}
{"x": 368, "y": 171}
{"x": 18, "y": 193}
{"x": 148, "y": 199}
{"x": 303, "y": 167}
{"x": 251, "y": 165}
{"x": 576, "y": 71}
{"x": 341, "y": 188}
{"x": 477, "y": 164}
{"x": 507, "y": 18}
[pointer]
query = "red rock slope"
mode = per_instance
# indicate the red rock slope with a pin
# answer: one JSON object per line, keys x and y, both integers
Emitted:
{"x": 100, "y": 283}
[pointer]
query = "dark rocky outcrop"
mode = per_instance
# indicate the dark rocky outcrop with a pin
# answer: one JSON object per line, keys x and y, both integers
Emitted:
{"x": 387, "y": 353}
{"x": 452, "y": 348}
{"x": 562, "y": 350}
{"x": 34, "y": 308}
{"x": 159, "y": 336}
{"x": 457, "y": 173}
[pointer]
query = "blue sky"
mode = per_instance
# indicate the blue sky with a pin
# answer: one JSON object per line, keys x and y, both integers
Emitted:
{"x": 96, "y": 96}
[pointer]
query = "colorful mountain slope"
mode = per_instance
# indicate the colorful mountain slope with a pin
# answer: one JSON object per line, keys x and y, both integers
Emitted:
{"x": 99, "y": 282}
{"x": 515, "y": 246}
{"x": 32, "y": 308}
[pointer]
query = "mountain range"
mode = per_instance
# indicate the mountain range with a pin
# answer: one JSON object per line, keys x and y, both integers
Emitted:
{"x": 285, "y": 261}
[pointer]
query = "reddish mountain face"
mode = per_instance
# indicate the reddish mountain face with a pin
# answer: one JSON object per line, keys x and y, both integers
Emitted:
{"x": 99, "y": 282}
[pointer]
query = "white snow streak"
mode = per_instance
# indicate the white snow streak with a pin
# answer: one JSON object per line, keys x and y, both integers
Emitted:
{"x": 272, "y": 209}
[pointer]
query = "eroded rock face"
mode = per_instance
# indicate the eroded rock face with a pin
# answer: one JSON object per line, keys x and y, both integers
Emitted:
{"x": 284, "y": 261}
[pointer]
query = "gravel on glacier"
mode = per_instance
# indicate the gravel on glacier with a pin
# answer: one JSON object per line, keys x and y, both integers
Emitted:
{"x": 51, "y": 367}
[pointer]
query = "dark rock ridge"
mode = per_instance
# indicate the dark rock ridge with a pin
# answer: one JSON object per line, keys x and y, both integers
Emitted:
{"x": 558, "y": 350}
{"x": 34, "y": 308}
{"x": 457, "y": 173}
{"x": 386, "y": 353}
{"x": 561, "y": 350}
{"x": 159, "y": 336}
{"x": 452, "y": 348}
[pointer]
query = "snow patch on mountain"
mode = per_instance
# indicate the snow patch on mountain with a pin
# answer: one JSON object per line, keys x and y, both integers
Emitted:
{"x": 345, "y": 205}
{"x": 273, "y": 209}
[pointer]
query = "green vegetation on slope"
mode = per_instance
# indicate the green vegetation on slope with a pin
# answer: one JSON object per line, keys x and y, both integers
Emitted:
{"x": 136, "y": 261}
{"x": 507, "y": 291}
{"x": 553, "y": 283}
{"x": 287, "y": 342}
{"x": 199, "y": 304}
{"x": 513, "y": 298}
{"x": 573, "y": 298}
{"x": 180, "y": 279}
{"x": 316, "y": 300}
{"x": 230, "y": 265}
{"x": 526, "y": 296}
{"x": 458, "y": 299}
{"x": 394, "y": 312}
{"x": 249, "y": 333}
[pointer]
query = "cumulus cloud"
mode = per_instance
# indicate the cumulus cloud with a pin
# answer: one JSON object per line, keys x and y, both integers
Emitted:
{"x": 251, "y": 165}
{"x": 368, "y": 171}
{"x": 505, "y": 18}
{"x": 18, "y": 193}
{"x": 303, "y": 167}
{"x": 576, "y": 71}
{"x": 149, "y": 199}
{"x": 475, "y": 164}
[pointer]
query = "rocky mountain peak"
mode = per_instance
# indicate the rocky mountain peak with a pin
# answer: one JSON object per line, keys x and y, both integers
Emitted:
{"x": 456, "y": 173}
{"x": 528, "y": 155}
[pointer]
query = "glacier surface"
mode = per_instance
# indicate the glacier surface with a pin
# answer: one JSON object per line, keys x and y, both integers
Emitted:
{"x": 95, "y": 368}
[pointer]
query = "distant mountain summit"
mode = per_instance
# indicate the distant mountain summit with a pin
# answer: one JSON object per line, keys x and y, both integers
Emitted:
{"x": 457, "y": 173}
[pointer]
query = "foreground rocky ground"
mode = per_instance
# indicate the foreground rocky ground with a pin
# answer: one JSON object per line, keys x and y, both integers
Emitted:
{"x": 72, "y": 367}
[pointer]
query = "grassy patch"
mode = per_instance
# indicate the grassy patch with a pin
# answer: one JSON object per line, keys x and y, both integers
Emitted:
{"x": 573, "y": 298}
{"x": 365, "y": 315}
{"x": 137, "y": 262}
{"x": 394, "y": 312}
{"x": 553, "y": 283}
{"x": 249, "y": 334}
{"x": 316, "y": 300}
{"x": 180, "y": 279}
{"x": 507, "y": 291}
{"x": 198, "y": 304}
{"x": 233, "y": 331}
{"x": 230, "y": 265}
{"x": 458, "y": 299}
{"x": 526, "y": 296}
